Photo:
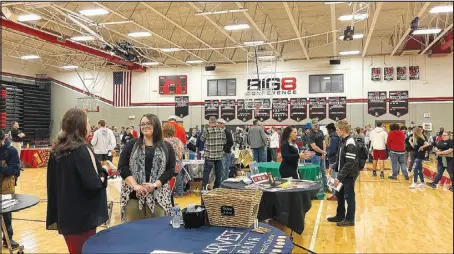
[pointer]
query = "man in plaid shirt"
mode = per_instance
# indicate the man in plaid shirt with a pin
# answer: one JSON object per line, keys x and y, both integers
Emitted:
{"x": 215, "y": 139}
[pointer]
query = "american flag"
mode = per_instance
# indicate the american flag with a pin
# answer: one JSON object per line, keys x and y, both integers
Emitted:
{"x": 122, "y": 88}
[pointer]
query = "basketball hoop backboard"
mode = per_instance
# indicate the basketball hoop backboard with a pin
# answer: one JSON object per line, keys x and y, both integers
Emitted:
{"x": 88, "y": 104}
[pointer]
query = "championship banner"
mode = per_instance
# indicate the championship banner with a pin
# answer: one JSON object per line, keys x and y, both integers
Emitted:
{"x": 337, "y": 108}
{"x": 389, "y": 73}
{"x": 414, "y": 72}
{"x": 280, "y": 109}
{"x": 402, "y": 73}
{"x": 298, "y": 109}
{"x": 376, "y": 103}
{"x": 228, "y": 110}
{"x": 376, "y": 74}
{"x": 244, "y": 114}
{"x": 211, "y": 109}
{"x": 181, "y": 106}
{"x": 263, "y": 114}
{"x": 398, "y": 103}
{"x": 169, "y": 85}
{"x": 317, "y": 108}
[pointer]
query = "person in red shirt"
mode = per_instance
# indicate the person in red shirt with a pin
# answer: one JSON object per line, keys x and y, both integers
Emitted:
{"x": 134, "y": 132}
{"x": 396, "y": 145}
{"x": 180, "y": 133}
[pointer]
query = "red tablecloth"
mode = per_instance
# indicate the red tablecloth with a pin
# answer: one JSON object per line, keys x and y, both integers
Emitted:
{"x": 34, "y": 157}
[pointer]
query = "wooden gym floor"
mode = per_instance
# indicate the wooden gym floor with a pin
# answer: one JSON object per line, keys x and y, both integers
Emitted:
{"x": 390, "y": 218}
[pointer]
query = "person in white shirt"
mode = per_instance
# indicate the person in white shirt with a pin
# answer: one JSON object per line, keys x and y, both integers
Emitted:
{"x": 274, "y": 143}
{"x": 103, "y": 142}
{"x": 378, "y": 138}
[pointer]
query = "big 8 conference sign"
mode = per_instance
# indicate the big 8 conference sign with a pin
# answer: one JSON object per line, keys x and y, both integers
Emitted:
{"x": 271, "y": 86}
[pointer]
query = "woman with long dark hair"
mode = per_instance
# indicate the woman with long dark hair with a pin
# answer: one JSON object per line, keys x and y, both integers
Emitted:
{"x": 146, "y": 166}
{"x": 76, "y": 184}
{"x": 290, "y": 153}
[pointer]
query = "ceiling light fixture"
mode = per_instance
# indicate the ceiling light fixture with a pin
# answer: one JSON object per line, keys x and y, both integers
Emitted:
{"x": 170, "y": 49}
{"x": 236, "y": 27}
{"x": 94, "y": 12}
{"x": 266, "y": 57}
{"x": 114, "y": 22}
{"x": 29, "y": 57}
{"x": 356, "y": 17}
{"x": 334, "y": 2}
{"x": 194, "y": 61}
{"x": 355, "y": 36}
{"x": 440, "y": 9}
{"x": 253, "y": 43}
{"x": 326, "y": 78}
{"x": 70, "y": 67}
{"x": 426, "y": 31}
{"x": 350, "y": 52}
{"x": 220, "y": 12}
{"x": 83, "y": 38}
{"x": 139, "y": 34}
{"x": 28, "y": 17}
{"x": 150, "y": 63}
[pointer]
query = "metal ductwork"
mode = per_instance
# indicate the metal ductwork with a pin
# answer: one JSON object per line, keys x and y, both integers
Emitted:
{"x": 443, "y": 46}
{"x": 414, "y": 45}
{"x": 70, "y": 44}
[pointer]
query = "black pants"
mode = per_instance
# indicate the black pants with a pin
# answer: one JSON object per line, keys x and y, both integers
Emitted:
{"x": 218, "y": 170}
{"x": 8, "y": 219}
{"x": 346, "y": 193}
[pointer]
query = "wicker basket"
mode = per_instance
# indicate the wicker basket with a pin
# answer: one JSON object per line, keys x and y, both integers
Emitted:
{"x": 232, "y": 208}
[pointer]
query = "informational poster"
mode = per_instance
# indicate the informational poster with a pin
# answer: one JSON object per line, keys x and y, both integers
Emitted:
{"x": 398, "y": 103}
{"x": 244, "y": 114}
{"x": 170, "y": 85}
{"x": 402, "y": 73}
{"x": 376, "y": 74}
{"x": 280, "y": 109}
{"x": 181, "y": 106}
{"x": 414, "y": 72}
{"x": 228, "y": 112}
{"x": 389, "y": 73}
{"x": 376, "y": 103}
{"x": 298, "y": 109}
{"x": 317, "y": 108}
{"x": 337, "y": 108}
{"x": 264, "y": 112}
{"x": 211, "y": 109}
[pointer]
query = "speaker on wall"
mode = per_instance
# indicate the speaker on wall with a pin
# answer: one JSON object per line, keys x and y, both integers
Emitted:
{"x": 335, "y": 61}
{"x": 210, "y": 67}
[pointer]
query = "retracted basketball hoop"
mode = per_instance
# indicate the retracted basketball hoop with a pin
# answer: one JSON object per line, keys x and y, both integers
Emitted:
{"x": 88, "y": 104}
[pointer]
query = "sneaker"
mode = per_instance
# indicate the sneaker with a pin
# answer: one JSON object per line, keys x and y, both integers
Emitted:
{"x": 346, "y": 223}
{"x": 414, "y": 186}
{"x": 421, "y": 185}
{"x": 374, "y": 173}
{"x": 332, "y": 198}
{"x": 433, "y": 185}
{"x": 407, "y": 178}
{"x": 392, "y": 177}
{"x": 14, "y": 244}
{"x": 334, "y": 219}
{"x": 382, "y": 175}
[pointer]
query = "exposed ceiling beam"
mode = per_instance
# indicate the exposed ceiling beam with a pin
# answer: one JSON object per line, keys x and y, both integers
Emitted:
{"x": 295, "y": 28}
{"x": 186, "y": 31}
{"x": 372, "y": 27}
{"x": 407, "y": 32}
{"x": 352, "y": 23}
{"x": 447, "y": 29}
{"x": 333, "y": 28}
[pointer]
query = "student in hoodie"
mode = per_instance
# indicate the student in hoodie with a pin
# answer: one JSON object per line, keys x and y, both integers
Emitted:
{"x": 378, "y": 138}
{"x": 103, "y": 142}
{"x": 396, "y": 145}
{"x": 332, "y": 151}
{"x": 9, "y": 166}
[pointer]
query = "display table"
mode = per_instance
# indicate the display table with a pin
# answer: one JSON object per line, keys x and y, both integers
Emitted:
{"x": 35, "y": 157}
{"x": 307, "y": 172}
{"x": 157, "y": 235}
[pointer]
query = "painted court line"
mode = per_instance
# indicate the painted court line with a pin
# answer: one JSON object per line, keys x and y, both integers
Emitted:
{"x": 317, "y": 223}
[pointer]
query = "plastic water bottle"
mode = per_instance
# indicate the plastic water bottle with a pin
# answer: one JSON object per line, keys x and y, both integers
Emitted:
{"x": 176, "y": 220}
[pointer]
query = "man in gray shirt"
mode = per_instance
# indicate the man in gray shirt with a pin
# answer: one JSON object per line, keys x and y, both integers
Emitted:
{"x": 257, "y": 141}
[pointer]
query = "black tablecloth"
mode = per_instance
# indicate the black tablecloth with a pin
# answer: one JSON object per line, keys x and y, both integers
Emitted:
{"x": 288, "y": 207}
{"x": 25, "y": 201}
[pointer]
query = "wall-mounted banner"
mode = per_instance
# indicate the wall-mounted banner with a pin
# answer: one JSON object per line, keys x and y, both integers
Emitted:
{"x": 376, "y": 74}
{"x": 211, "y": 109}
{"x": 389, "y": 73}
{"x": 181, "y": 106}
{"x": 414, "y": 72}
{"x": 280, "y": 109}
{"x": 402, "y": 73}
{"x": 228, "y": 110}
{"x": 317, "y": 108}
{"x": 337, "y": 108}
{"x": 376, "y": 103}
{"x": 398, "y": 103}
{"x": 169, "y": 85}
{"x": 244, "y": 114}
{"x": 264, "y": 112}
{"x": 298, "y": 109}
{"x": 271, "y": 86}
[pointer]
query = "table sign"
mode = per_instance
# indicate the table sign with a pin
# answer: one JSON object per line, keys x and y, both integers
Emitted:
{"x": 260, "y": 178}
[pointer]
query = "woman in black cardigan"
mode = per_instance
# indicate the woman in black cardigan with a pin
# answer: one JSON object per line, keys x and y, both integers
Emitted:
{"x": 76, "y": 184}
{"x": 290, "y": 153}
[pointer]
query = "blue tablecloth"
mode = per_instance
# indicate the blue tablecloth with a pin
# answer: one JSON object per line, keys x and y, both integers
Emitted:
{"x": 149, "y": 235}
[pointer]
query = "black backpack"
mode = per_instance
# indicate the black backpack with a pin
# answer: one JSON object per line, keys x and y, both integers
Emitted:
{"x": 363, "y": 153}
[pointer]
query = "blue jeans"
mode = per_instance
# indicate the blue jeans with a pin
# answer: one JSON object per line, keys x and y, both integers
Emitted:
{"x": 398, "y": 159}
{"x": 8, "y": 219}
{"x": 218, "y": 170}
{"x": 417, "y": 167}
{"x": 179, "y": 187}
{"x": 346, "y": 193}
{"x": 318, "y": 160}
{"x": 226, "y": 163}
{"x": 440, "y": 170}
{"x": 334, "y": 176}
{"x": 259, "y": 154}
